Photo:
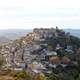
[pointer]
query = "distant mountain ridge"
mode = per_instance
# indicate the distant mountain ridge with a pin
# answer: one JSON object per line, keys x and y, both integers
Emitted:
{"x": 3, "y": 39}
{"x": 74, "y": 32}
{"x": 13, "y": 34}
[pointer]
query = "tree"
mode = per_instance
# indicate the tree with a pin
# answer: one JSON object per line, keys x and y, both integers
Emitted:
{"x": 78, "y": 55}
{"x": 22, "y": 75}
{"x": 2, "y": 60}
{"x": 52, "y": 76}
{"x": 78, "y": 77}
{"x": 40, "y": 76}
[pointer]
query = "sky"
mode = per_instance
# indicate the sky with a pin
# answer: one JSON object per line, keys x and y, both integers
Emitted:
{"x": 28, "y": 14}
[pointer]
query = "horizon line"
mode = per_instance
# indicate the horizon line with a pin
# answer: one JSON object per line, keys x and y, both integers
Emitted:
{"x": 34, "y": 28}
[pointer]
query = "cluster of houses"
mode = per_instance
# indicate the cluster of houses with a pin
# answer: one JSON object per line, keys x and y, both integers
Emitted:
{"x": 27, "y": 53}
{"x": 49, "y": 32}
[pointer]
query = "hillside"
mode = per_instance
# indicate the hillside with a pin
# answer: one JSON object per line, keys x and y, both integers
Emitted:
{"x": 32, "y": 42}
{"x": 50, "y": 51}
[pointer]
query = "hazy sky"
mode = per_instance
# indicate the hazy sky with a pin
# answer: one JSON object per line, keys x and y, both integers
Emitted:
{"x": 39, "y": 13}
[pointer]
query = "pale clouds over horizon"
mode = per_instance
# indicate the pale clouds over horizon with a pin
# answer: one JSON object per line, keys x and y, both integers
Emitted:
{"x": 28, "y": 14}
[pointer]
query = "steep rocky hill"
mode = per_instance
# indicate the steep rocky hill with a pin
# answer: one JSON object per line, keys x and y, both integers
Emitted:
{"x": 23, "y": 49}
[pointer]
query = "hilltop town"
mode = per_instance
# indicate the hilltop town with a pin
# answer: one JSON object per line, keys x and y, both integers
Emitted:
{"x": 41, "y": 51}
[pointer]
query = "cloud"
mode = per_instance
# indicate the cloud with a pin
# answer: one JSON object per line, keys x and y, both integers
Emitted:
{"x": 39, "y": 13}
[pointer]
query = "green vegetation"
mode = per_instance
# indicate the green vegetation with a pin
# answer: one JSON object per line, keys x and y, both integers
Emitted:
{"x": 71, "y": 72}
{"x": 2, "y": 61}
{"x": 21, "y": 75}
